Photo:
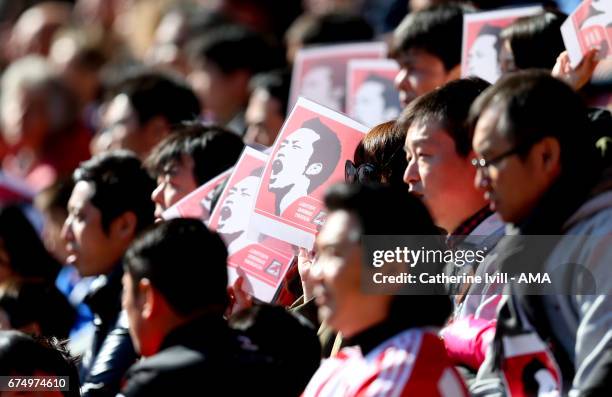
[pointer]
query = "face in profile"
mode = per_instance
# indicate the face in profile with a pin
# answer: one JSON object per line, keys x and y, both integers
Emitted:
{"x": 236, "y": 208}
{"x": 292, "y": 159}
{"x": 371, "y": 107}
{"x": 318, "y": 85}
{"x": 483, "y": 58}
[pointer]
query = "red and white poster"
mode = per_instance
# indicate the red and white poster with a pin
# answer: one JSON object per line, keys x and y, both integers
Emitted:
{"x": 529, "y": 368}
{"x": 197, "y": 203}
{"x": 308, "y": 156}
{"x": 480, "y": 53}
{"x": 372, "y": 97}
{"x": 319, "y": 73}
{"x": 263, "y": 262}
{"x": 589, "y": 26}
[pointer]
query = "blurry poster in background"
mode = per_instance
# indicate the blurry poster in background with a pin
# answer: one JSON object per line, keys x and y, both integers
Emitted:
{"x": 589, "y": 26}
{"x": 319, "y": 73}
{"x": 480, "y": 53}
{"x": 308, "y": 156}
{"x": 197, "y": 203}
{"x": 263, "y": 262}
{"x": 371, "y": 97}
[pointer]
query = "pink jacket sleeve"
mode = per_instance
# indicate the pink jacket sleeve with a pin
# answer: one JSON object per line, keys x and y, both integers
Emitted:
{"x": 467, "y": 339}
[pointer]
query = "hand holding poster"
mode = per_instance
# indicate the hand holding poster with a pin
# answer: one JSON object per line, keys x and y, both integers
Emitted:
{"x": 197, "y": 203}
{"x": 263, "y": 263}
{"x": 482, "y": 45}
{"x": 308, "y": 156}
{"x": 372, "y": 97}
{"x": 319, "y": 73}
{"x": 589, "y": 26}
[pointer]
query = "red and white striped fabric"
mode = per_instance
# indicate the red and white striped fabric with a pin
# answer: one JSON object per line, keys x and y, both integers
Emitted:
{"x": 412, "y": 363}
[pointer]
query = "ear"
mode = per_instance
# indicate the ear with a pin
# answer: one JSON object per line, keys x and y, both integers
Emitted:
{"x": 124, "y": 226}
{"x": 314, "y": 169}
{"x": 549, "y": 155}
{"x": 148, "y": 301}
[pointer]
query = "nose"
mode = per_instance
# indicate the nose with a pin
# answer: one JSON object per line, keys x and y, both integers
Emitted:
{"x": 316, "y": 270}
{"x": 66, "y": 232}
{"x": 401, "y": 79}
{"x": 411, "y": 175}
{"x": 481, "y": 179}
{"x": 157, "y": 194}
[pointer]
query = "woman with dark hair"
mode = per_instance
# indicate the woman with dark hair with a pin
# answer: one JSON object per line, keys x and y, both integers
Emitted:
{"x": 379, "y": 157}
{"x": 22, "y": 253}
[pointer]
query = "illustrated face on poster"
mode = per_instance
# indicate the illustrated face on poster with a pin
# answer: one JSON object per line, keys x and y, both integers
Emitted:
{"x": 236, "y": 210}
{"x": 319, "y": 73}
{"x": 307, "y": 157}
{"x": 304, "y": 160}
{"x": 319, "y": 85}
{"x": 482, "y": 45}
{"x": 376, "y": 101}
{"x": 483, "y": 56}
{"x": 600, "y": 14}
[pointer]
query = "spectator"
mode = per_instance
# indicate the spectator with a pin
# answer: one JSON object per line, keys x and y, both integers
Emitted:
{"x": 136, "y": 119}
{"x": 188, "y": 158}
{"x": 427, "y": 47}
{"x": 223, "y": 62}
{"x": 110, "y": 204}
{"x": 23, "y": 355}
{"x": 380, "y": 328}
{"x": 267, "y": 107}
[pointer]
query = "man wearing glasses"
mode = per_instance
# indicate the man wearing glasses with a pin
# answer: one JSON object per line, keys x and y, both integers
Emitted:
{"x": 537, "y": 162}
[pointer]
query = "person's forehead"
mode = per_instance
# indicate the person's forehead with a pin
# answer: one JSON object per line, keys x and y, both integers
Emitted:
{"x": 426, "y": 132}
{"x": 418, "y": 57}
{"x": 338, "y": 228}
{"x": 486, "y": 134}
{"x": 81, "y": 194}
{"x": 119, "y": 108}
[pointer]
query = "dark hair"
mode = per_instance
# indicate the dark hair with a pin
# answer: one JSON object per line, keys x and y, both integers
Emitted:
{"x": 232, "y": 48}
{"x": 392, "y": 211}
{"x": 297, "y": 357}
{"x": 27, "y": 254}
{"x": 37, "y": 302}
{"x": 534, "y": 105}
{"x": 212, "y": 148}
{"x": 23, "y": 355}
{"x": 437, "y": 30}
{"x": 120, "y": 185}
{"x": 449, "y": 106}
{"x": 326, "y": 150}
{"x": 154, "y": 93}
{"x": 330, "y": 28}
{"x": 536, "y": 40}
{"x": 185, "y": 262}
{"x": 390, "y": 93}
{"x": 276, "y": 83}
{"x": 383, "y": 148}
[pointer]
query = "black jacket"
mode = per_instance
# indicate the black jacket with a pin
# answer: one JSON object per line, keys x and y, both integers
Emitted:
{"x": 204, "y": 357}
{"x": 112, "y": 353}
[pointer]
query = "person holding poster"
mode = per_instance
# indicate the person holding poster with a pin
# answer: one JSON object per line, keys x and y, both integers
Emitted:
{"x": 391, "y": 348}
{"x": 191, "y": 156}
{"x": 305, "y": 159}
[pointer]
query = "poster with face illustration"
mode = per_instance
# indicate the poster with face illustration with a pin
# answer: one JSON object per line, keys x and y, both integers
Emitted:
{"x": 372, "y": 97}
{"x": 589, "y": 26}
{"x": 482, "y": 46}
{"x": 197, "y": 204}
{"x": 308, "y": 156}
{"x": 263, "y": 261}
{"x": 319, "y": 73}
